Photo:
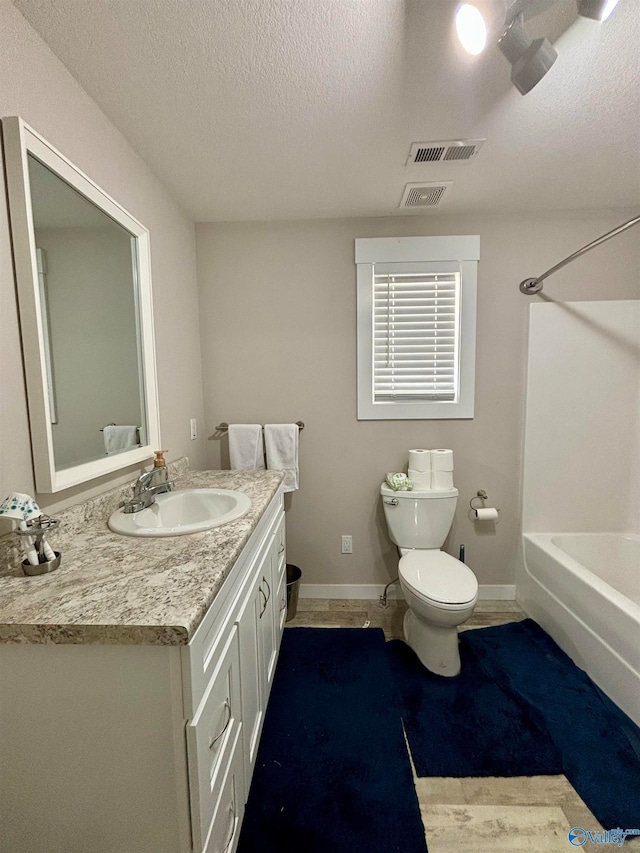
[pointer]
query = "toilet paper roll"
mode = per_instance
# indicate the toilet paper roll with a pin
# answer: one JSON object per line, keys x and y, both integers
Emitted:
{"x": 487, "y": 513}
{"x": 421, "y": 479}
{"x": 442, "y": 479}
{"x": 442, "y": 460}
{"x": 420, "y": 460}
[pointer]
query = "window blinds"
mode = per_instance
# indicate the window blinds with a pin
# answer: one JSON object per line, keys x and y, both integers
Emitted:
{"x": 416, "y": 335}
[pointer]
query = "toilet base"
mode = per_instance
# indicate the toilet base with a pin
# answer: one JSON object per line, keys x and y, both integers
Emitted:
{"x": 436, "y": 646}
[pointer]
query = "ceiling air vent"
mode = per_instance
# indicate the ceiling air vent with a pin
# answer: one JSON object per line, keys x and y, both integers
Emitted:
{"x": 423, "y": 195}
{"x": 450, "y": 151}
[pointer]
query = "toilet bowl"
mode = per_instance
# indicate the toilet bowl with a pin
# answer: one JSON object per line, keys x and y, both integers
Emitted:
{"x": 441, "y": 591}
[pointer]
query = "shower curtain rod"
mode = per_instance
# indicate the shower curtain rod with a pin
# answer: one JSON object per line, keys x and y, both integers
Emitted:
{"x": 534, "y": 285}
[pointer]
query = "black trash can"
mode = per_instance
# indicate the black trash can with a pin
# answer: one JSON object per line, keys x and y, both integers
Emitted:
{"x": 293, "y": 589}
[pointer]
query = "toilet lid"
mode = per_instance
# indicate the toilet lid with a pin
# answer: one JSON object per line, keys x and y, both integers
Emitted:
{"x": 438, "y": 576}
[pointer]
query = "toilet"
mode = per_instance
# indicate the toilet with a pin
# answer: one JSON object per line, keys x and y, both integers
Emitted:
{"x": 441, "y": 591}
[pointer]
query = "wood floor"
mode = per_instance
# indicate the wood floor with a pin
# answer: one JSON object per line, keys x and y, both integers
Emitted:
{"x": 472, "y": 815}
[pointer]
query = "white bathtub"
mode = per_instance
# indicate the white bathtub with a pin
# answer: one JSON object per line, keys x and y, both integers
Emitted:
{"x": 584, "y": 589}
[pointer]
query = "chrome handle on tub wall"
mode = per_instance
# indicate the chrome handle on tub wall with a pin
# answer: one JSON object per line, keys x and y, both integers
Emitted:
{"x": 391, "y": 501}
{"x": 213, "y": 740}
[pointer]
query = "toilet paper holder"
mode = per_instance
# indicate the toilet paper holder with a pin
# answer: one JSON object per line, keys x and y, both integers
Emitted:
{"x": 482, "y": 496}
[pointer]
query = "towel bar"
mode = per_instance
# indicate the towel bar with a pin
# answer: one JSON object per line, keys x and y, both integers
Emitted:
{"x": 223, "y": 427}
{"x": 114, "y": 424}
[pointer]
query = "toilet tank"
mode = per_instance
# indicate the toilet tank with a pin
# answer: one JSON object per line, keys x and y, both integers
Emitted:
{"x": 419, "y": 519}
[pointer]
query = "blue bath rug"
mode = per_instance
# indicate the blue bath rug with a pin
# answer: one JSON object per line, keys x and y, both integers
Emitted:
{"x": 332, "y": 773}
{"x": 597, "y": 741}
{"x": 468, "y": 725}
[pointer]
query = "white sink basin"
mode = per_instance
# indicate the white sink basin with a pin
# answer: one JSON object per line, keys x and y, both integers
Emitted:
{"x": 177, "y": 513}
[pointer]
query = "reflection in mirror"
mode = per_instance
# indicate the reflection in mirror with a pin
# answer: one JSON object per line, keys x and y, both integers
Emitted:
{"x": 84, "y": 291}
{"x": 86, "y": 266}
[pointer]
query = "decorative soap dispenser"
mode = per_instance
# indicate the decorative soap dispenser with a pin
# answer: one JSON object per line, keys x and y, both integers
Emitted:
{"x": 160, "y": 470}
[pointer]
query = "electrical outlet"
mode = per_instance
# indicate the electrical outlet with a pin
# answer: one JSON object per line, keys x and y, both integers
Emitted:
{"x": 347, "y": 544}
{"x": 194, "y": 429}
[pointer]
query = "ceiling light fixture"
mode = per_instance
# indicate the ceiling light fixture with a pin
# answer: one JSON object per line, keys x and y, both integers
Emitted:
{"x": 471, "y": 29}
{"x": 597, "y": 10}
{"x": 530, "y": 59}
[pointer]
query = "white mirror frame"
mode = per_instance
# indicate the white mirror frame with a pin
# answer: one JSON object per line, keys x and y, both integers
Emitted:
{"x": 19, "y": 141}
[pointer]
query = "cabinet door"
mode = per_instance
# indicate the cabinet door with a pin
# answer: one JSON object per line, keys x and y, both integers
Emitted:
{"x": 268, "y": 619}
{"x": 252, "y": 671}
{"x": 211, "y": 734}
{"x": 281, "y": 607}
{"x": 259, "y": 629}
{"x": 278, "y": 564}
{"x": 225, "y": 828}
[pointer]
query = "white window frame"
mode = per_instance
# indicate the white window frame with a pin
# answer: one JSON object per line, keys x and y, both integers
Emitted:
{"x": 463, "y": 250}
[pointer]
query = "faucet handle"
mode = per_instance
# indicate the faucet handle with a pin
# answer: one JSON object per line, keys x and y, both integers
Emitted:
{"x": 134, "y": 505}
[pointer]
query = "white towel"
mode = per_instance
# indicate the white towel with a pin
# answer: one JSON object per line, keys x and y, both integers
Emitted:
{"x": 281, "y": 441}
{"x": 246, "y": 447}
{"x": 118, "y": 438}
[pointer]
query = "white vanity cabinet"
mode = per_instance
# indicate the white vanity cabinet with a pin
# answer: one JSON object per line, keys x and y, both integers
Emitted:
{"x": 144, "y": 749}
{"x": 230, "y": 664}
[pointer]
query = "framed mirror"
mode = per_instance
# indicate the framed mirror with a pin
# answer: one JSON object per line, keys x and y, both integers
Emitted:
{"x": 84, "y": 291}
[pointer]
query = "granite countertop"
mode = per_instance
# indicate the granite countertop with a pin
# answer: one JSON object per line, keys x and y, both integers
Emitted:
{"x": 113, "y": 589}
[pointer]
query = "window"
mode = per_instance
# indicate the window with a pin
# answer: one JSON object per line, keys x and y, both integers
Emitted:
{"x": 416, "y": 327}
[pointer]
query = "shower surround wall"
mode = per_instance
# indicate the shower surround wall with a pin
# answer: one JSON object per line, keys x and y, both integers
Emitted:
{"x": 579, "y": 571}
{"x": 582, "y": 434}
{"x": 35, "y": 85}
{"x": 278, "y": 325}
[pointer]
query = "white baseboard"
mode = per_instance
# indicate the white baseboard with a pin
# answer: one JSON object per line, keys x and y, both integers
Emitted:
{"x": 497, "y": 592}
{"x": 368, "y": 591}
{"x": 373, "y": 591}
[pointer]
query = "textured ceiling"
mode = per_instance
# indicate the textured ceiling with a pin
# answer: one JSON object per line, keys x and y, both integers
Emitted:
{"x": 272, "y": 109}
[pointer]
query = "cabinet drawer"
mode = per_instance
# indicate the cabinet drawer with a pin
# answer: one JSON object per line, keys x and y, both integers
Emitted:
{"x": 226, "y": 824}
{"x": 211, "y": 736}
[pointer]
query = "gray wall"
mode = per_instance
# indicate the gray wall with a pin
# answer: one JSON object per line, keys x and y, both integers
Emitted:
{"x": 278, "y": 325}
{"x": 35, "y": 85}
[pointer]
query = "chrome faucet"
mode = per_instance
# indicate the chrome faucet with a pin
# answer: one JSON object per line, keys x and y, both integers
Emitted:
{"x": 147, "y": 486}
